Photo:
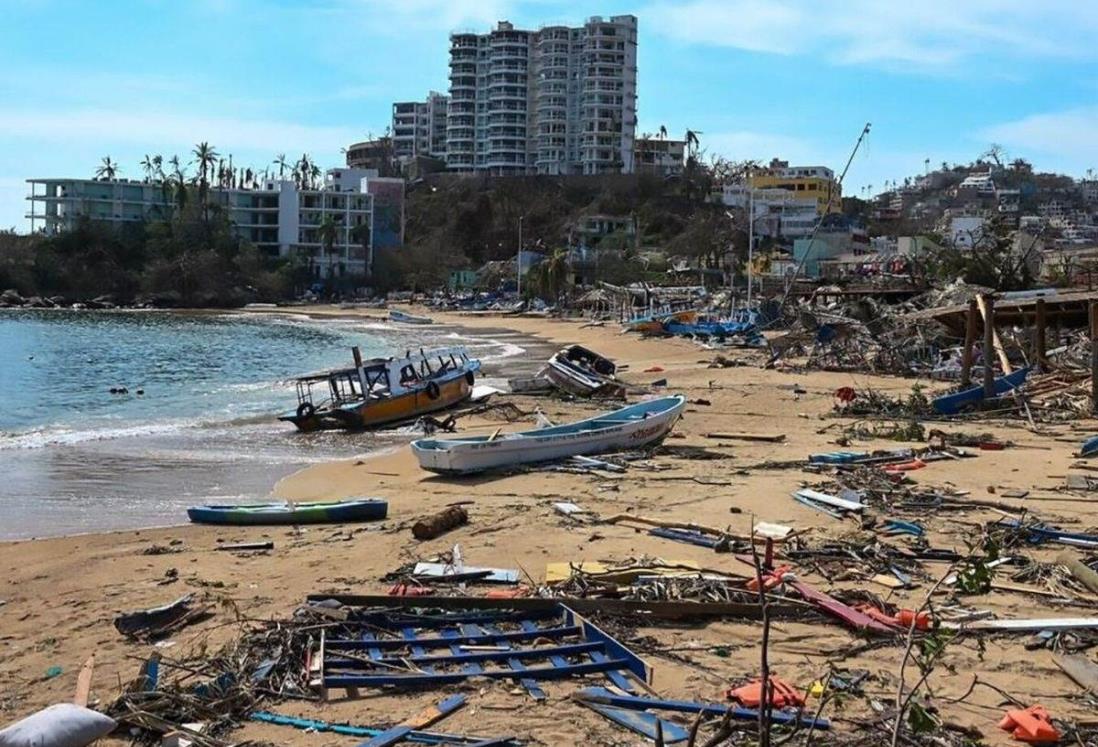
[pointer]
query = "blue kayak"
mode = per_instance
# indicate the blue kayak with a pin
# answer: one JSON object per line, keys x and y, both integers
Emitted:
{"x": 951, "y": 404}
{"x": 258, "y": 514}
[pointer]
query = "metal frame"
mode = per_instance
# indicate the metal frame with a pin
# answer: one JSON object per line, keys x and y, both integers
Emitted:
{"x": 413, "y": 650}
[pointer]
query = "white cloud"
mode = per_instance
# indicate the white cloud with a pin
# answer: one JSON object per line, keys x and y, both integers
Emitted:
{"x": 924, "y": 34}
{"x": 1067, "y": 134}
{"x": 398, "y": 17}
{"x": 164, "y": 130}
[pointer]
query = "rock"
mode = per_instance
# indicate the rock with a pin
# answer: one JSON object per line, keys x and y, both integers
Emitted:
{"x": 58, "y": 300}
{"x": 11, "y": 297}
{"x": 36, "y": 302}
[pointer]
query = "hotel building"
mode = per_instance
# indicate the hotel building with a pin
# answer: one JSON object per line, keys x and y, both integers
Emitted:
{"x": 560, "y": 100}
{"x": 279, "y": 217}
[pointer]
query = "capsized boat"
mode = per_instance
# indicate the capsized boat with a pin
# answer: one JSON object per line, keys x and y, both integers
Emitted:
{"x": 330, "y": 512}
{"x": 632, "y": 427}
{"x": 951, "y": 404}
{"x": 584, "y": 373}
{"x": 383, "y": 390}
{"x": 654, "y": 323}
{"x": 405, "y": 318}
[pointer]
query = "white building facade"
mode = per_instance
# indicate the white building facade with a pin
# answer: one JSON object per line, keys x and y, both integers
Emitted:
{"x": 560, "y": 100}
{"x": 419, "y": 127}
{"x": 279, "y": 218}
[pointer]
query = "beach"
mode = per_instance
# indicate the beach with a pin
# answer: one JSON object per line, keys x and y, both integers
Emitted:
{"x": 58, "y": 596}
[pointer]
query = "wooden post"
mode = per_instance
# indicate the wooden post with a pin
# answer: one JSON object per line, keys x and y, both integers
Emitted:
{"x": 1094, "y": 355}
{"x": 989, "y": 345}
{"x": 970, "y": 340}
{"x": 1042, "y": 323}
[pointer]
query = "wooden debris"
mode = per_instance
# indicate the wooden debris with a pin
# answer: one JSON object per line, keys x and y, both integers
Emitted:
{"x": 438, "y": 524}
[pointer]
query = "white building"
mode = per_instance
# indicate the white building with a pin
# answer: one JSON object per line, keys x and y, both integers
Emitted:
{"x": 560, "y": 100}
{"x": 278, "y": 218}
{"x": 776, "y": 212}
{"x": 966, "y": 230}
{"x": 980, "y": 183}
{"x": 660, "y": 156}
{"x": 419, "y": 127}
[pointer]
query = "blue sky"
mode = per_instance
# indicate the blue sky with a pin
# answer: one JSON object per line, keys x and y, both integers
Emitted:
{"x": 758, "y": 78}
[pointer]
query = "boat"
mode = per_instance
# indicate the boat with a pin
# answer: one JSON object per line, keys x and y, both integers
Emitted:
{"x": 717, "y": 329}
{"x": 584, "y": 373}
{"x": 1089, "y": 447}
{"x": 654, "y": 323}
{"x": 405, "y": 318}
{"x": 951, "y": 404}
{"x": 633, "y": 427}
{"x": 321, "y": 512}
{"x": 382, "y": 391}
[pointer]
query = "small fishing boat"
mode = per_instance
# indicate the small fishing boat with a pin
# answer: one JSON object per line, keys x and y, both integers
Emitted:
{"x": 404, "y": 318}
{"x": 951, "y": 404}
{"x": 584, "y": 373}
{"x": 330, "y": 512}
{"x": 383, "y": 390}
{"x": 632, "y": 427}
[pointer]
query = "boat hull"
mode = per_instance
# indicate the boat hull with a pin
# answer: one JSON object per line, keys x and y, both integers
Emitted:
{"x": 390, "y": 410}
{"x": 458, "y": 457}
{"x": 951, "y": 404}
{"x": 582, "y": 385}
{"x": 267, "y": 514}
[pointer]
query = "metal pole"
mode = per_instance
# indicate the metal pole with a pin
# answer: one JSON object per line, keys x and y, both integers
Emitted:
{"x": 518, "y": 262}
{"x": 750, "y": 237}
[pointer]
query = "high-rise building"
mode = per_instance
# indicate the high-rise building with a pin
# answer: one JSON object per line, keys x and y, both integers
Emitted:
{"x": 560, "y": 100}
{"x": 419, "y": 127}
{"x": 278, "y": 216}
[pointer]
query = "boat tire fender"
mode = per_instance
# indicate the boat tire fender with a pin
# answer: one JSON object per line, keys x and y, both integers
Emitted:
{"x": 306, "y": 410}
{"x": 433, "y": 391}
{"x": 469, "y": 378}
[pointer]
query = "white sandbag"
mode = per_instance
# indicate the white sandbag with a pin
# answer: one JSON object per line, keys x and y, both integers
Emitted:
{"x": 61, "y": 725}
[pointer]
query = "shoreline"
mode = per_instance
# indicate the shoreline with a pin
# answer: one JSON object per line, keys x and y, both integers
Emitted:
{"x": 143, "y": 472}
{"x": 62, "y": 593}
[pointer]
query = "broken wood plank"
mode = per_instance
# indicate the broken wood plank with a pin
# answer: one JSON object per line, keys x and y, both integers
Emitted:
{"x": 84, "y": 681}
{"x": 764, "y": 437}
{"x": 1083, "y": 573}
{"x": 996, "y": 341}
{"x": 1080, "y": 669}
{"x": 1028, "y": 625}
{"x": 426, "y": 717}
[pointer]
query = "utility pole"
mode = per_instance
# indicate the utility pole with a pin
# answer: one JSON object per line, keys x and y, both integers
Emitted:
{"x": 750, "y": 236}
{"x": 518, "y": 263}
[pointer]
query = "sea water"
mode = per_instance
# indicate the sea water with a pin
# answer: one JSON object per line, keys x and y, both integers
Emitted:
{"x": 193, "y": 418}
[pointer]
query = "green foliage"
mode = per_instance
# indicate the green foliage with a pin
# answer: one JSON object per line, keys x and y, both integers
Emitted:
{"x": 920, "y": 720}
{"x": 976, "y": 574}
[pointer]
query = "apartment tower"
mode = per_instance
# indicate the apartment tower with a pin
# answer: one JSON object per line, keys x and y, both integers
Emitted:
{"x": 560, "y": 100}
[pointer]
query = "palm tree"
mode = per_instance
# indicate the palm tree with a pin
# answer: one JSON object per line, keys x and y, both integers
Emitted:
{"x": 282, "y": 163}
{"x": 663, "y": 132}
{"x": 148, "y": 167}
{"x": 692, "y": 142}
{"x": 108, "y": 170}
{"x": 361, "y": 234}
{"x": 552, "y": 276}
{"x": 328, "y": 232}
{"x": 314, "y": 175}
{"x": 205, "y": 156}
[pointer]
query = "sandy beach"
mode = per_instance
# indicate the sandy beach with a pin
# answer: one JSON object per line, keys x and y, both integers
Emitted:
{"x": 58, "y": 596}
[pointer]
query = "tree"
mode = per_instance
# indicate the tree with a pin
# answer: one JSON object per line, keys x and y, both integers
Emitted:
{"x": 205, "y": 156}
{"x": 328, "y": 232}
{"x": 107, "y": 170}
{"x": 663, "y": 132}
{"x": 551, "y": 277}
{"x": 282, "y": 164}
{"x": 148, "y": 167}
{"x": 996, "y": 153}
{"x": 362, "y": 234}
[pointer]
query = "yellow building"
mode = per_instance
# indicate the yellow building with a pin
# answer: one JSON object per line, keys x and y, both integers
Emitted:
{"x": 806, "y": 182}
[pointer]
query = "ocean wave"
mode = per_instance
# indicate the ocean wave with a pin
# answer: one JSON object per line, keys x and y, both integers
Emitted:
{"x": 67, "y": 436}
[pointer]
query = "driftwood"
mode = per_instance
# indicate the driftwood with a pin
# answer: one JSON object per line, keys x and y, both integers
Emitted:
{"x": 438, "y": 524}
